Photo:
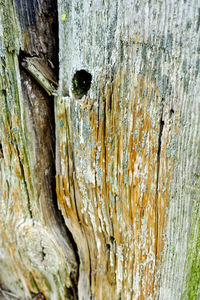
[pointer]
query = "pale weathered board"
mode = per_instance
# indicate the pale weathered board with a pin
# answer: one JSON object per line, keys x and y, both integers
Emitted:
{"x": 128, "y": 155}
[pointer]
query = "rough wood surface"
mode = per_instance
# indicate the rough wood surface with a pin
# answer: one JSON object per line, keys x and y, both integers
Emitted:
{"x": 36, "y": 252}
{"x": 127, "y": 164}
{"x": 128, "y": 154}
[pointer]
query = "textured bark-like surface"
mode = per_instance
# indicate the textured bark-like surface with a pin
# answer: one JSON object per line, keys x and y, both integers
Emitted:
{"x": 36, "y": 254}
{"x": 128, "y": 153}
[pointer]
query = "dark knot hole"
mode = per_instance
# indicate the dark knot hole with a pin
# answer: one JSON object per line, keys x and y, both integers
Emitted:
{"x": 81, "y": 83}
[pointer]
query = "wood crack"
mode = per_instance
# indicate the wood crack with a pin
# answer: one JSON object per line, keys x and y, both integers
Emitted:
{"x": 24, "y": 181}
{"x": 161, "y": 126}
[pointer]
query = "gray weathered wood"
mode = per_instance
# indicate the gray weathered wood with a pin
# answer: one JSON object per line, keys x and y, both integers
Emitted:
{"x": 132, "y": 156}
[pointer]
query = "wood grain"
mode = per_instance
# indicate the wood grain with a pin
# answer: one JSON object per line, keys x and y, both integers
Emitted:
{"x": 120, "y": 153}
{"x": 99, "y": 196}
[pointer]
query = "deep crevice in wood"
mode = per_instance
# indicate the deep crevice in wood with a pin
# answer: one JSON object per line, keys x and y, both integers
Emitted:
{"x": 161, "y": 126}
{"x": 1, "y": 151}
{"x": 160, "y": 142}
{"x": 171, "y": 113}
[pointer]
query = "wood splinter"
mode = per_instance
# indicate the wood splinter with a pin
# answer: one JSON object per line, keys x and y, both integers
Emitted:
{"x": 42, "y": 73}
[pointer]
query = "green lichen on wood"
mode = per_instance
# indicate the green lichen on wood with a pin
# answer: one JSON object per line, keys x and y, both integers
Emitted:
{"x": 11, "y": 132}
{"x": 193, "y": 262}
{"x": 10, "y": 28}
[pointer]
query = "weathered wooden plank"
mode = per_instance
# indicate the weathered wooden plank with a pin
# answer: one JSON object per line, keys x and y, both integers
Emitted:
{"x": 126, "y": 154}
{"x": 36, "y": 254}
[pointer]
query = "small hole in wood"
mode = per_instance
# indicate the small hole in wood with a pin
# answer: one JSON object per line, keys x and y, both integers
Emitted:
{"x": 108, "y": 246}
{"x": 171, "y": 113}
{"x": 81, "y": 83}
{"x": 1, "y": 151}
{"x": 112, "y": 239}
